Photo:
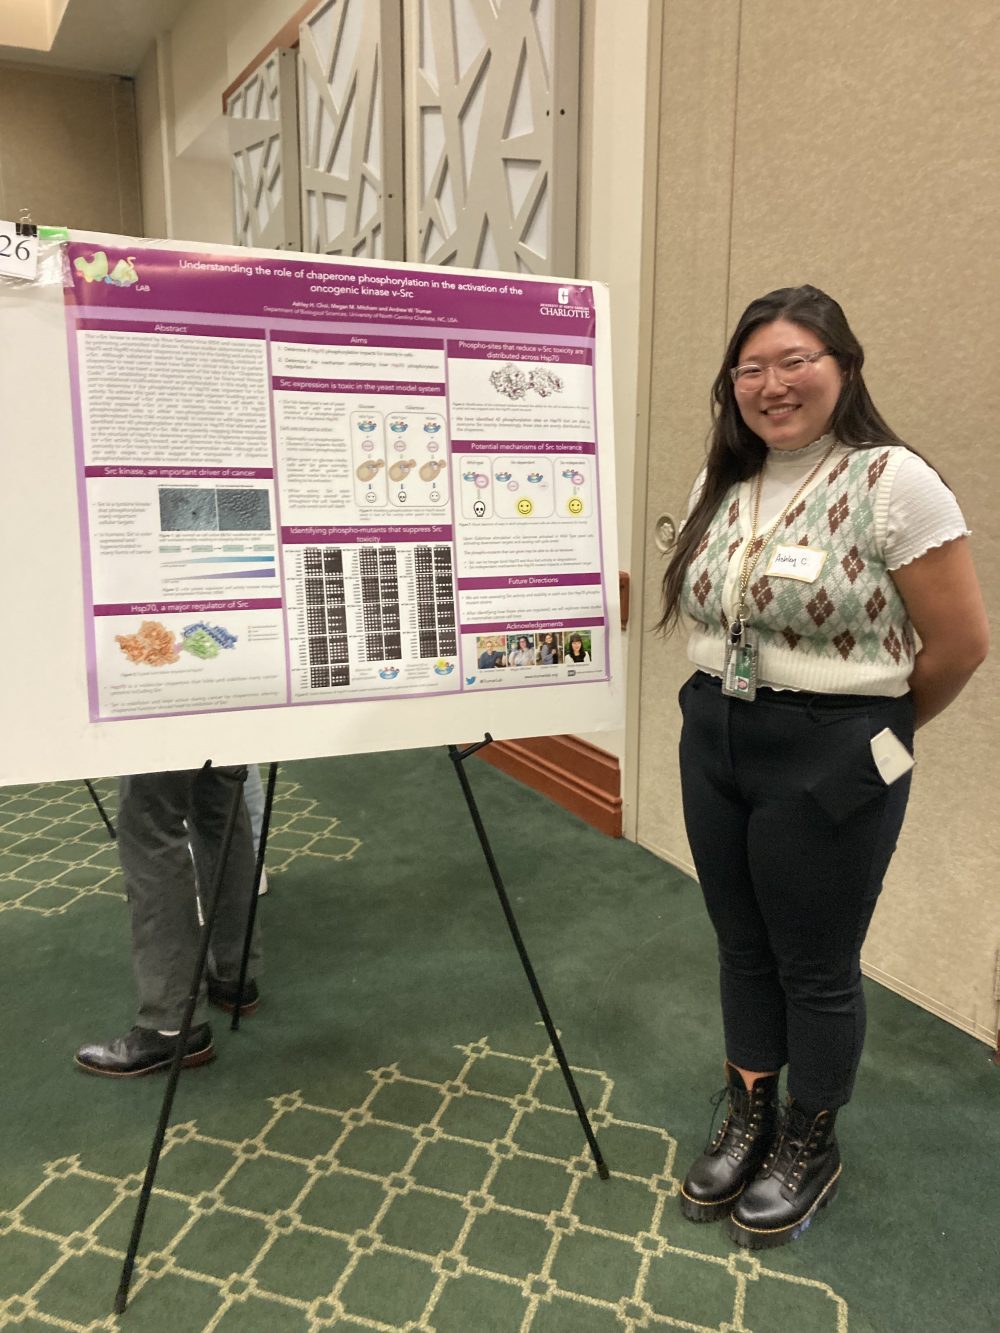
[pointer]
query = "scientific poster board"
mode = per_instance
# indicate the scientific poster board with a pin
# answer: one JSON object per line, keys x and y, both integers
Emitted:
{"x": 268, "y": 505}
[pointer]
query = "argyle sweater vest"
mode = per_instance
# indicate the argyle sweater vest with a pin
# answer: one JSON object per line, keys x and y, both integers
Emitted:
{"x": 845, "y": 633}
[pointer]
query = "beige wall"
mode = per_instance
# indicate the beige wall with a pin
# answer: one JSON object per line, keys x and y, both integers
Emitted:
{"x": 849, "y": 146}
{"x": 68, "y": 150}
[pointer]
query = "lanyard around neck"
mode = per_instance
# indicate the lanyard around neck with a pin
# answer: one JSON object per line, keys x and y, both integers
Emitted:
{"x": 751, "y": 555}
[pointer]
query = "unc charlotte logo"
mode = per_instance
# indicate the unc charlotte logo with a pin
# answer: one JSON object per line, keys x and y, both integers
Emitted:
{"x": 563, "y": 307}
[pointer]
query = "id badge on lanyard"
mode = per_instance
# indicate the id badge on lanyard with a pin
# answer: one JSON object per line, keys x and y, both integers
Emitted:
{"x": 739, "y": 675}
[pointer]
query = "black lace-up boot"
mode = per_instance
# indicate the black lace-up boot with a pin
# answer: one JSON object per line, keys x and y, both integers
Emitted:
{"x": 720, "y": 1174}
{"x": 800, "y": 1176}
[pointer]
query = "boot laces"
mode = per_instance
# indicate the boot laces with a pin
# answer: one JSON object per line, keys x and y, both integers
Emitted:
{"x": 715, "y": 1137}
{"x": 794, "y": 1138}
{"x": 743, "y": 1114}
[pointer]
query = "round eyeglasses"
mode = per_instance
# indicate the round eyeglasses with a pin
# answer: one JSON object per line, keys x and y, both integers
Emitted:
{"x": 788, "y": 371}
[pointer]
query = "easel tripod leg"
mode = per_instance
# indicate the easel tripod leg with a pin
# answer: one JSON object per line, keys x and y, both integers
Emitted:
{"x": 100, "y": 809}
{"x": 457, "y": 757}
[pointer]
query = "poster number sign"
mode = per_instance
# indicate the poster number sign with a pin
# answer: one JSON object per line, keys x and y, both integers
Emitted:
{"x": 18, "y": 254}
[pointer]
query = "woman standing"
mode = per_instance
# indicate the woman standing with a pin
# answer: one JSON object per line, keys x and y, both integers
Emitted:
{"x": 816, "y": 544}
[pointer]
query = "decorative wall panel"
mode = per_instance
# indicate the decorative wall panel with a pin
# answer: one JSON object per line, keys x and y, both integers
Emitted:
{"x": 264, "y": 148}
{"x": 492, "y": 100}
{"x": 350, "y": 129}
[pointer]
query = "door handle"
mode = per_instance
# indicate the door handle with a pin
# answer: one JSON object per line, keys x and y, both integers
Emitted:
{"x": 665, "y": 533}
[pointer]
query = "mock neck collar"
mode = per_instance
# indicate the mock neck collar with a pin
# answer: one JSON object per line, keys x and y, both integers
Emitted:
{"x": 809, "y": 453}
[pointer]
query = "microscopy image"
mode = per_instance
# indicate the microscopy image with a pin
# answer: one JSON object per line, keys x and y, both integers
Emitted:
{"x": 244, "y": 510}
{"x": 186, "y": 510}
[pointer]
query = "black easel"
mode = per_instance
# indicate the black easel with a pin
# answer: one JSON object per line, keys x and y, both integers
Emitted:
{"x": 457, "y": 757}
{"x": 211, "y": 909}
{"x": 100, "y": 809}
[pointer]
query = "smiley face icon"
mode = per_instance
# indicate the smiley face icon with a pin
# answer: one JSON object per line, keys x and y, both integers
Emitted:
{"x": 575, "y": 505}
{"x": 524, "y": 507}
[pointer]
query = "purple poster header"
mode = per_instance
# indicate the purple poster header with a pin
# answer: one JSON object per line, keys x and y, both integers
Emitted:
{"x": 492, "y": 351}
{"x": 360, "y": 340}
{"x": 522, "y": 447}
{"x": 127, "y": 470}
{"x": 186, "y": 608}
{"x": 306, "y": 288}
{"x": 408, "y": 388}
{"x": 194, "y": 330}
{"x": 433, "y": 532}
{"x": 517, "y": 626}
{"x": 529, "y": 581}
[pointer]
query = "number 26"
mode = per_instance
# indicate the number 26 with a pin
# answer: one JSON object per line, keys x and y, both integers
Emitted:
{"x": 20, "y": 249}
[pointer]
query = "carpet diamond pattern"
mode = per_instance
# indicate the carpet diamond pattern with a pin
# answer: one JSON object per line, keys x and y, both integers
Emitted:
{"x": 55, "y": 851}
{"x": 432, "y": 1205}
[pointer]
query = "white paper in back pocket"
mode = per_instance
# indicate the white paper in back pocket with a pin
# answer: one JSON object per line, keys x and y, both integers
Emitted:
{"x": 892, "y": 758}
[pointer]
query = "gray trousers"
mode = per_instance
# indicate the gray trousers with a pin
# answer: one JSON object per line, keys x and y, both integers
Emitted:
{"x": 163, "y": 820}
{"x": 253, "y": 794}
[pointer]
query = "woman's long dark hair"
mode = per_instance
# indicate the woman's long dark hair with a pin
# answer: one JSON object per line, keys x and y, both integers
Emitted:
{"x": 736, "y": 453}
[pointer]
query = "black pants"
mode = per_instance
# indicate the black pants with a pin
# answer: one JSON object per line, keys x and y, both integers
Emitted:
{"x": 792, "y": 829}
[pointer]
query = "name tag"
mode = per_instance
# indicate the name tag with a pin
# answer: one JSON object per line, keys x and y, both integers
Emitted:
{"x": 796, "y": 562}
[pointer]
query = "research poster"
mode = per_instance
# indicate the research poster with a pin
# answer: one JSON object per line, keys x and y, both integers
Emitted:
{"x": 303, "y": 482}
{"x": 265, "y": 504}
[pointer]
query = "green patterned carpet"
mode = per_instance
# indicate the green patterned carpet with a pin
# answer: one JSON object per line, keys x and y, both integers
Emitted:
{"x": 388, "y": 1143}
